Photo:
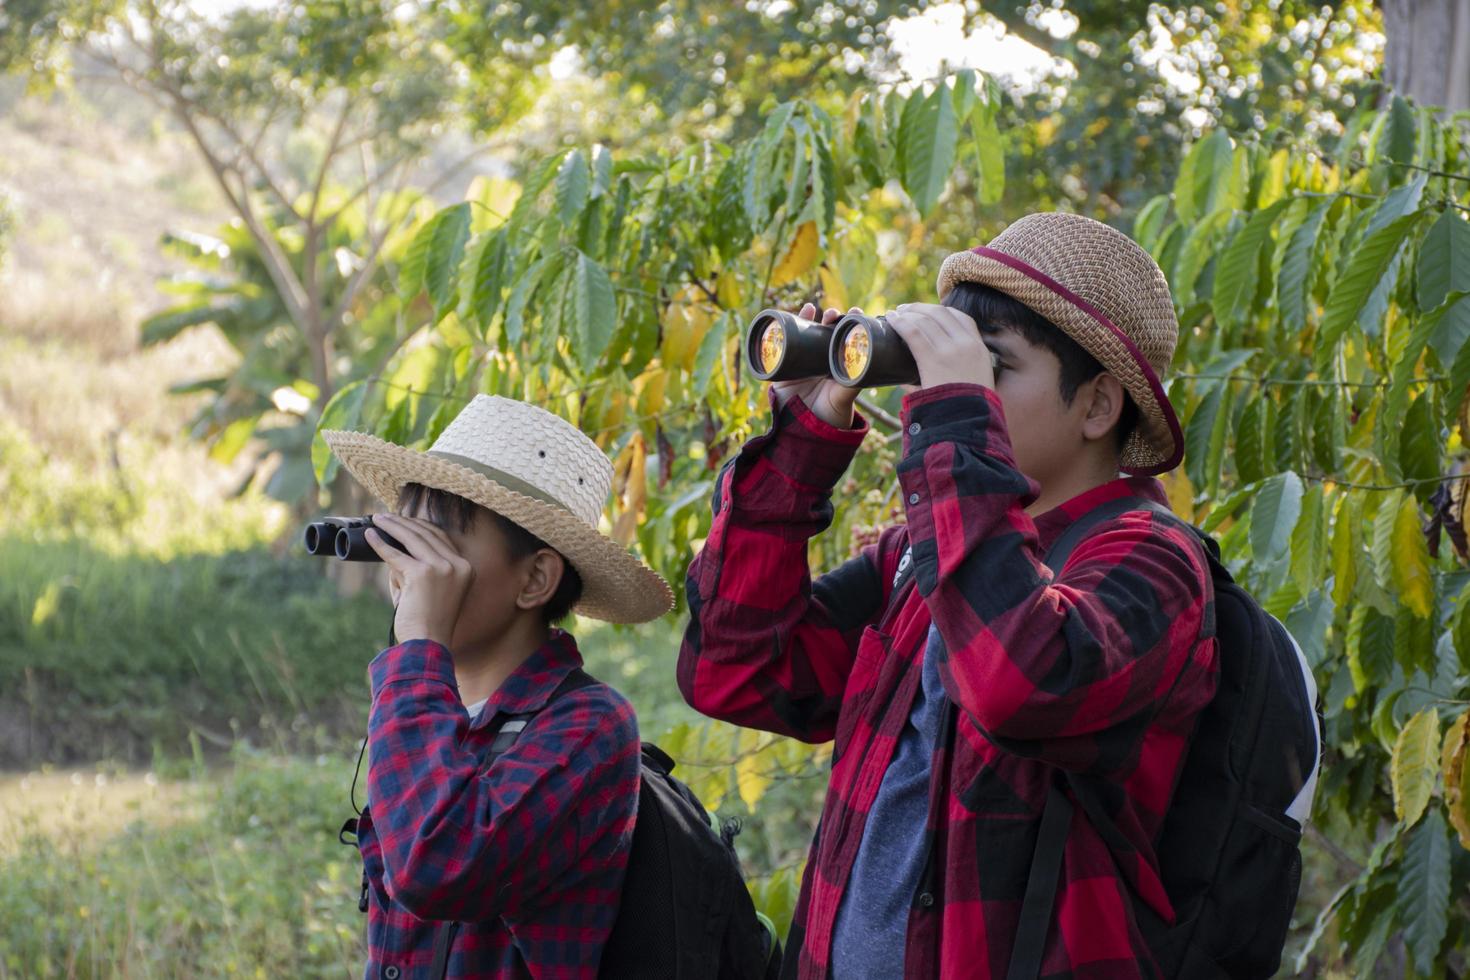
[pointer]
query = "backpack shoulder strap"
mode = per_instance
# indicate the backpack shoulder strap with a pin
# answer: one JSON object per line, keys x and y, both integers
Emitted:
{"x": 510, "y": 726}
{"x": 1056, "y": 814}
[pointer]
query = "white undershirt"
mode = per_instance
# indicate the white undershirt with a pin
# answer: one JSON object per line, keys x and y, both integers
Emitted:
{"x": 474, "y": 709}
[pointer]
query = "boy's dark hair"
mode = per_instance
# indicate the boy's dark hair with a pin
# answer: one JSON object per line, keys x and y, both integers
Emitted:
{"x": 991, "y": 308}
{"x": 451, "y": 510}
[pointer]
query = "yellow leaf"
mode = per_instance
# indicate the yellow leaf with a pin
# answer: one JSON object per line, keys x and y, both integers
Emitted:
{"x": 1410, "y": 566}
{"x": 686, "y": 320}
{"x": 1413, "y": 766}
{"x": 1180, "y": 491}
{"x": 635, "y": 493}
{"x": 727, "y": 290}
{"x": 834, "y": 293}
{"x": 751, "y": 779}
{"x": 799, "y": 258}
{"x": 1457, "y": 778}
{"x": 497, "y": 194}
{"x": 652, "y": 386}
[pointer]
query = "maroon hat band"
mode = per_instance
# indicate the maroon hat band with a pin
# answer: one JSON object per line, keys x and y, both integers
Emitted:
{"x": 1155, "y": 386}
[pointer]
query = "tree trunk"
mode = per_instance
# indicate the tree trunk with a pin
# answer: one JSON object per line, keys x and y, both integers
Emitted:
{"x": 1427, "y": 56}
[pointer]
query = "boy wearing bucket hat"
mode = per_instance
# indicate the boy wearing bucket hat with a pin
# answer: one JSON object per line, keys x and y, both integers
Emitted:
{"x": 527, "y": 855}
{"x": 961, "y": 681}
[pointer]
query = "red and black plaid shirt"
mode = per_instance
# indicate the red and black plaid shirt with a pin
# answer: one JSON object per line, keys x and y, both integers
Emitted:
{"x": 1100, "y": 671}
{"x": 528, "y": 853}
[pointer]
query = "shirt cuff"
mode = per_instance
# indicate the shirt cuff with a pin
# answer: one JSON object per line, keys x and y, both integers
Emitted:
{"x": 807, "y": 450}
{"x": 958, "y": 412}
{"x": 412, "y": 660}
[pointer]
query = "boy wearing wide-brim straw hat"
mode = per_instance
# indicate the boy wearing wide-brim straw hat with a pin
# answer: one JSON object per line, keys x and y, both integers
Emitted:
{"x": 956, "y": 675}
{"x": 499, "y": 526}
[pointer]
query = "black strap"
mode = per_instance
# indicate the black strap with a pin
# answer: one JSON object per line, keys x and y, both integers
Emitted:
{"x": 443, "y": 941}
{"x": 1041, "y": 887}
{"x": 507, "y": 729}
{"x": 1056, "y": 816}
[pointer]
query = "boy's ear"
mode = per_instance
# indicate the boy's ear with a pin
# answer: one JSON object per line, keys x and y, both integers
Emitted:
{"x": 1103, "y": 400}
{"x": 546, "y": 571}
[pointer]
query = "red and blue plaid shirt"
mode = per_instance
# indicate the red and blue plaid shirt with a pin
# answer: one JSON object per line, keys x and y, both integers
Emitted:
{"x": 1100, "y": 671}
{"x": 528, "y": 853}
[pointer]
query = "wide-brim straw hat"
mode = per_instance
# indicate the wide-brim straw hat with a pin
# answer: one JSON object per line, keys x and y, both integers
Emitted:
{"x": 536, "y": 470}
{"x": 1105, "y": 292}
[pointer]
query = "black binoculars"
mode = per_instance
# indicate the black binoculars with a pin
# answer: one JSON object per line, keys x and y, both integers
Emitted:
{"x": 857, "y": 351}
{"x": 344, "y": 538}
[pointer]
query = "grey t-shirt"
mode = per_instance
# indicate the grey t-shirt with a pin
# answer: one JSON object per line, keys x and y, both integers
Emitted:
{"x": 869, "y": 936}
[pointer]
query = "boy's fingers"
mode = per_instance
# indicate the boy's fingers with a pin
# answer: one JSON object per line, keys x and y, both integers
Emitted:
{"x": 392, "y": 557}
{"x": 430, "y": 529}
{"x": 419, "y": 545}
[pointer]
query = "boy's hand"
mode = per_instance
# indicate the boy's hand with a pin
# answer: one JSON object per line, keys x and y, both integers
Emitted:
{"x": 828, "y": 400}
{"x": 946, "y": 345}
{"x": 433, "y": 577}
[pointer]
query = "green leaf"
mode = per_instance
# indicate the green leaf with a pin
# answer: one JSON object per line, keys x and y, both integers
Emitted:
{"x": 602, "y": 171}
{"x": 1255, "y": 434}
{"x": 343, "y": 411}
{"x": 592, "y": 310}
{"x": 1197, "y": 432}
{"x": 1449, "y": 329}
{"x": 1275, "y": 513}
{"x": 1424, "y": 889}
{"x": 1346, "y": 548}
{"x": 1235, "y": 276}
{"x": 1380, "y": 545}
{"x": 1420, "y": 441}
{"x": 170, "y": 323}
{"x": 1206, "y": 163}
{"x": 927, "y": 136}
{"x": 1444, "y": 260}
{"x": 451, "y": 229}
{"x": 1371, "y": 262}
{"x": 1198, "y": 248}
{"x": 1329, "y": 429}
{"x": 520, "y": 294}
{"x": 488, "y": 265}
{"x": 1148, "y": 224}
{"x": 1309, "y": 542}
{"x": 1410, "y": 560}
{"x": 572, "y": 185}
{"x": 1294, "y": 282}
{"x": 990, "y": 159}
{"x": 1396, "y": 138}
{"x": 824, "y": 181}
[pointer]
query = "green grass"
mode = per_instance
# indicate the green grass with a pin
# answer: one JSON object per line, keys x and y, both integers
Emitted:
{"x": 250, "y": 882}
{"x": 122, "y": 656}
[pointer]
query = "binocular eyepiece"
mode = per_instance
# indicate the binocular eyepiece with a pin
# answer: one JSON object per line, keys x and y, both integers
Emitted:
{"x": 857, "y": 351}
{"x": 343, "y": 537}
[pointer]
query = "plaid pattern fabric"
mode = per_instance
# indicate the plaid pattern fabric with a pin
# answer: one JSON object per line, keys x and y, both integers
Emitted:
{"x": 528, "y": 853}
{"x": 1100, "y": 671}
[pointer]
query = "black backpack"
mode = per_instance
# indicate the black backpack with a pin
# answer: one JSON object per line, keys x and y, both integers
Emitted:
{"x": 685, "y": 913}
{"x": 1229, "y": 852}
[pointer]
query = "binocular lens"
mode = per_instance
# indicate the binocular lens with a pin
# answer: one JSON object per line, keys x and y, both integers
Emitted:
{"x": 772, "y": 347}
{"x": 857, "y": 350}
{"x": 345, "y": 537}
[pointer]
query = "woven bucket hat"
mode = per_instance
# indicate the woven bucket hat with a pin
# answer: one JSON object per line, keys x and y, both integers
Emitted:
{"x": 1105, "y": 292}
{"x": 534, "y": 469}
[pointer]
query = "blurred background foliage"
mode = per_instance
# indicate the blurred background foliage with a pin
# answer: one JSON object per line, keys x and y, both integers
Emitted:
{"x": 227, "y": 225}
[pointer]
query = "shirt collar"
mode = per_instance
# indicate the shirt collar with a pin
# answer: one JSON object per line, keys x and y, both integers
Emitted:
{"x": 531, "y": 684}
{"x": 1050, "y": 525}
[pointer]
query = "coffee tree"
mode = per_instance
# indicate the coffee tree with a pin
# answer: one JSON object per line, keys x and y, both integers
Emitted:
{"x": 1322, "y": 375}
